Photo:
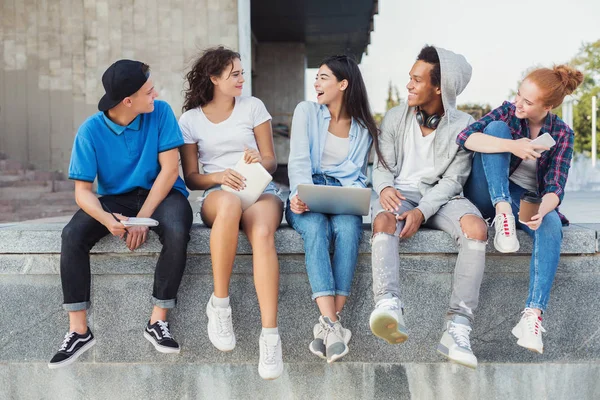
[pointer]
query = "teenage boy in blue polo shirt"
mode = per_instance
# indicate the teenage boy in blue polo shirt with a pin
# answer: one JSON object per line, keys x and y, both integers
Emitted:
{"x": 131, "y": 147}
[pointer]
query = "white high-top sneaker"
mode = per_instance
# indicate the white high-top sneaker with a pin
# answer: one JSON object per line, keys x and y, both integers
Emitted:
{"x": 455, "y": 342}
{"x": 529, "y": 331}
{"x": 386, "y": 321}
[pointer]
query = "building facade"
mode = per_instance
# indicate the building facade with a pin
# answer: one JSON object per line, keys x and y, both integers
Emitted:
{"x": 53, "y": 54}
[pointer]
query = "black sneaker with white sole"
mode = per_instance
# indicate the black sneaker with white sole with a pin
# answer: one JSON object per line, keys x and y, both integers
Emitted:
{"x": 72, "y": 347}
{"x": 159, "y": 335}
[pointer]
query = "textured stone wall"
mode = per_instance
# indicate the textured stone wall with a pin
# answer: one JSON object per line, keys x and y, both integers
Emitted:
{"x": 53, "y": 53}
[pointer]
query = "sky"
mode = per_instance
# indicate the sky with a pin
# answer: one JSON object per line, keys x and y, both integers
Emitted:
{"x": 499, "y": 39}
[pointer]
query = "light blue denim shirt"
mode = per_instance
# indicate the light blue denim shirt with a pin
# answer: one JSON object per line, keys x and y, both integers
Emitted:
{"x": 310, "y": 125}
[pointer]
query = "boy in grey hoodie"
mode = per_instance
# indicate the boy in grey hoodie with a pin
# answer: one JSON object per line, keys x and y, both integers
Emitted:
{"x": 419, "y": 180}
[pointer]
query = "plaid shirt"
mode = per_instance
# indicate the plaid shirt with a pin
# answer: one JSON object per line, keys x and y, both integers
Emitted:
{"x": 553, "y": 166}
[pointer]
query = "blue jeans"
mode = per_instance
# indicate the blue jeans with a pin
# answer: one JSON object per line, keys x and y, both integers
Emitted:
{"x": 489, "y": 184}
{"x": 328, "y": 276}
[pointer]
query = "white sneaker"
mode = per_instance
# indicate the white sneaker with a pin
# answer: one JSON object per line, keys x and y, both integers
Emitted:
{"x": 220, "y": 327}
{"x": 270, "y": 365}
{"x": 505, "y": 240}
{"x": 387, "y": 322}
{"x": 455, "y": 343}
{"x": 529, "y": 331}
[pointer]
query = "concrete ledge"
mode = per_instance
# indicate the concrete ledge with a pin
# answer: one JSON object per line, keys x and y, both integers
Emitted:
{"x": 302, "y": 381}
{"x": 124, "y": 364}
{"x": 45, "y": 238}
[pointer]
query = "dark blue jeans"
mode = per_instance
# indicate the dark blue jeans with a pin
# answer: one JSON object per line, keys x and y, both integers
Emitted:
{"x": 318, "y": 231}
{"x": 174, "y": 216}
{"x": 489, "y": 184}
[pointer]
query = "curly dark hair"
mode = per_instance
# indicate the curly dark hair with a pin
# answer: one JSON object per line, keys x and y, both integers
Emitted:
{"x": 199, "y": 88}
{"x": 430, "y": 55}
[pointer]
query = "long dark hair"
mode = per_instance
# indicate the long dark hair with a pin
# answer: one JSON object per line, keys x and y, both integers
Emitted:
{"x": 199, "y": 88}
{"x": 355, "y": 100}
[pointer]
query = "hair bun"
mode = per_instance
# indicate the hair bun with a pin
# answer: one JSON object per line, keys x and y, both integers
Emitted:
{"x": 570, "y": 77}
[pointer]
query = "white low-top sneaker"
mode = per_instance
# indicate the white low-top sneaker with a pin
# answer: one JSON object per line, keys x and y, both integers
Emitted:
{"x": 270, "y": 365}
{"x": 220, "y": 327}
{"x": 505, "y": 240}
{"x": 387, "y": 322}
{"x": 529, "y": 331}
{"x": 455, "y": 342}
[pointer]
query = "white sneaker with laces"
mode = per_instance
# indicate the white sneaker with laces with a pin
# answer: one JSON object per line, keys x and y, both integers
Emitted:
{"x": 270, "y": 365}
{"x": 220, "y": 327}
{"x": 505, "y": 240}
{"x": 455, "y": 342}
{"x": 529, "y": 331}
{"x": 387, "y": 322}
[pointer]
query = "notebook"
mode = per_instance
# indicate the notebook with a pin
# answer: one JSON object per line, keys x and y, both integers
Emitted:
{"x": 257, "y": 179}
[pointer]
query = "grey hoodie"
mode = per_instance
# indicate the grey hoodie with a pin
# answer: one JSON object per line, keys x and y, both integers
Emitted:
{"x": 452, "y": 164}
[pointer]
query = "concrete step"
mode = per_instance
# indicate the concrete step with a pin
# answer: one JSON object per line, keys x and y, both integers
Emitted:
{"x": 45, "y": 238}
{"x": 121, "y": 308}
{"x": 348, "y": 381}
{"x": 30, "y": 303}
{"x": 20, "y": 183}
{"x": 24, "y": 193}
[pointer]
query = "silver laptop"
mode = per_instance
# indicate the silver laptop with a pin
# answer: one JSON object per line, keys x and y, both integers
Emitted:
{"x": 335, "y": 199}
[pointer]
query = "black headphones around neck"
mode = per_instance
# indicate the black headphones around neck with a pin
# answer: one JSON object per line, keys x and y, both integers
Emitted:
{"x": 428, "y": 121}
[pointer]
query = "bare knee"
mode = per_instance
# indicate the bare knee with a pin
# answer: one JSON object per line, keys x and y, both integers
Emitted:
{"x": 474, "y": 227}
{"x": 384, "y": 222}
{"x": 261, "y": 234}
{"x": 228, "y": 204}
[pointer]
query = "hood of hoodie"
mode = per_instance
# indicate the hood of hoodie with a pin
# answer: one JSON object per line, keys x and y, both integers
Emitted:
{"x": 456, "y": 74}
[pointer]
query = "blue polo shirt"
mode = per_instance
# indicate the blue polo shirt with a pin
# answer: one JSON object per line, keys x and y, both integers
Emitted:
{"x": 124, "y": 158}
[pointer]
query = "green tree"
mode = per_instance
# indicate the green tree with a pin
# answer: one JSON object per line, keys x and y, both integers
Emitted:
{"x": 588, "y": 62}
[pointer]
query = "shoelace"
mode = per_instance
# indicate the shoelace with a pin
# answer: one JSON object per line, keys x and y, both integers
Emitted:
{"x": 505, "y": 228}
{"x": 164, "y": 327}
{"x": 534, "y": 324}
{"x": 388, "y": 304}
{"x": 66, "y": 341}
{"x": 224, "y": 318}
{"x": 460, "y": 334}
{"x": 270, "y": 352}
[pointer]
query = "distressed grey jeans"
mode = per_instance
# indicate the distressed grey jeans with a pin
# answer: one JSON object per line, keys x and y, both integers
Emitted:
{"x": 468, "y": 271}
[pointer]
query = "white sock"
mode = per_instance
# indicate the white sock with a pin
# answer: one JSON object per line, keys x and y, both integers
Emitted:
{"x": 269, "y": 331}
{"x": 220, "y": 302}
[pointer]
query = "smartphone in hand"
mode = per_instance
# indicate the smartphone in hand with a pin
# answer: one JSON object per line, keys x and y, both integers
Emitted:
{"x": 544, "y": 140}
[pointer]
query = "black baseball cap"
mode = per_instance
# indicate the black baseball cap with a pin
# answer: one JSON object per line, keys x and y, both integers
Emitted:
{"x": 120, "y": 80}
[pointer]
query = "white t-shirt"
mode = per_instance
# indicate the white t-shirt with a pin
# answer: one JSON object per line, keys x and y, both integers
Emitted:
{"x": 335, "y": 151}
{"x": 220, "y": 146}
{"x": 525, "y": 175}
{"x": 418, "y": 158}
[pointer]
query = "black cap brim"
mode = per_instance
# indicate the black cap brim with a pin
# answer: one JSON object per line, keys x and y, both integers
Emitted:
{"x": 107, "y": 103}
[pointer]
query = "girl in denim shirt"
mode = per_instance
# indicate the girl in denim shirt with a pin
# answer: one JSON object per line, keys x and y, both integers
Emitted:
{"x": 330, "y": 145}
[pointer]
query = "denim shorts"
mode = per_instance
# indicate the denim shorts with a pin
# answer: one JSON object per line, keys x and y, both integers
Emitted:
{"x": 270, "y": 189}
